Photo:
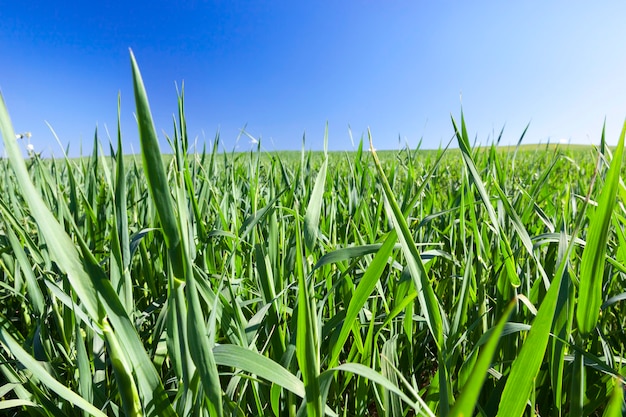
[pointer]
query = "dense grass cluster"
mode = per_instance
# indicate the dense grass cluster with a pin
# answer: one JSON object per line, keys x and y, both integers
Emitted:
{"x": 451, "y": 282}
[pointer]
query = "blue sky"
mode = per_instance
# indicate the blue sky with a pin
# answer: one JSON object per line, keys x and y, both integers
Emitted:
{"x": 284, "y": 68}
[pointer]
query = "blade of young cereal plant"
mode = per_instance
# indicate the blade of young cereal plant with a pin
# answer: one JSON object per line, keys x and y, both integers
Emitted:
{"x": 42, "y": 375}
{"x": 8, "y": 404}
{"x": 155, "y": 171}
{"x": 432, "y": 311}
{"x": 518, "y": 226}
{"x": 466, "y": 152}
{"x": 426, "y": 295}
{"x": 259, "y": 365}
{"x": 172, "y": 230}
{"x": 576, "y": 400}
{"x": 33, "y": 293}
{"x": 593, "y": 258}
{"x": 256, "y": 364}
{"x": 616, "y": 403}
{"x": 460, "y": 316}
{"x": 343, "y": 254}
{"x": 200, "y": 349}
{"x": 312, "y": 216}
{"x": 388, "y": 365}
{"x": 358, "y": 369}
{"x": 196, "y": 335}
{"x": 121, "y": 218}
{"x": 123, "y": 373}
{"x": 200, "y": 342}
{"x": 362, "y": 292}
{"x": 176, "y": 332}
{"x": 466, "y": 403}
{"x": 562, "y": 326}
{"x": 526, "y": 366}
{"x": 267, "y": 286}
{"x": 150, "y": 387}
{"x": 307, "y": 347}
{"x": 59, "y": 243}
{"x": 85, "y": 378}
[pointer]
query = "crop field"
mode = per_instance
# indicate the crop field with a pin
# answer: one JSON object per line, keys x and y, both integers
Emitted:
{"x": 453, "y": 282}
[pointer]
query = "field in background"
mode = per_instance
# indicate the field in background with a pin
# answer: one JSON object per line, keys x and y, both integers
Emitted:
{"x": 465, "y": 282}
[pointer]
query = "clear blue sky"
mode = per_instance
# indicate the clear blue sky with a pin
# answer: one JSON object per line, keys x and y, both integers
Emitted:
{"x": 283, "y": 68}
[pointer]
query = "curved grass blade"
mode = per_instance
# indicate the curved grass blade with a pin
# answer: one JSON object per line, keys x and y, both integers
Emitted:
{"x": 466, "y": 403}
{"x": 343, "y": 254}
{"x": 431, "y": 309}
{"x": 252, "y": 362}
{"x": 8, "y": 404}
{"x": 466, "y": 152}
{"x": 85, "y": 378}
{"x": 593, "y": 258}
{"x": 358, "y": 369}
{"x": 200, "y": 343}
{"x": 362, "y": 292}
{"x": 526, "y": 366}
{"x": 426, "y": 295}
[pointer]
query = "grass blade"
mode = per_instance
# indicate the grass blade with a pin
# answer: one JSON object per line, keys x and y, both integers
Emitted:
{"x": 241, "y": 358}
{"x": 312, "y": 216}
{"x": 362, "y": 292}
{"x": 526, "y": 365}
{"x": 307, "y": 346}
{"x": 615, "y": 407}
{"x": 593, "y": 258}
{"x": 426, "y": 295}
{"x": 372, "y": 375}
{"x": 466, "y": 403}
{"x": 155, "y": 171}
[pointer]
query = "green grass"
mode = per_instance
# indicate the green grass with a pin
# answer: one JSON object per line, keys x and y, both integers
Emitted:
{"x": 471, "y": 281}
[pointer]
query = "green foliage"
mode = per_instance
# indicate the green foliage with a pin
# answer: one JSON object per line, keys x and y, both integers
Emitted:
{"x": 449, "y": 282}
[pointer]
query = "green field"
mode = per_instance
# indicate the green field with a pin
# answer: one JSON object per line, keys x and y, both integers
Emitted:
{"x": 448, "y": 282}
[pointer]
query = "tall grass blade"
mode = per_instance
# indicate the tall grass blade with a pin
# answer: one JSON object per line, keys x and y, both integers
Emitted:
{"x": 362, "y": 292}
{"x": 426, "y": 295}
{"x": 307, "y": 347}
{"x": 466, "y": 402}
{"x": 466, "y": 152}
{"x": 155, "y": 401}
{"x": 121, "y": 233}
{"x": 123, "y": 374}
{"x": 593, "y": 258}
{"x": 526, "y": 365}
{"x": 312, "y": 216}
{"x": 155, "y": 171}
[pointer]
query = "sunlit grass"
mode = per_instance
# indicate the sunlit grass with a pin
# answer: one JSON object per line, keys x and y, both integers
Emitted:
{"x": 471, "y": 281}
